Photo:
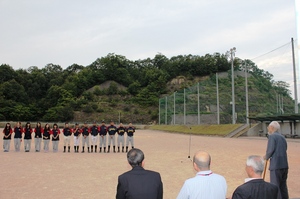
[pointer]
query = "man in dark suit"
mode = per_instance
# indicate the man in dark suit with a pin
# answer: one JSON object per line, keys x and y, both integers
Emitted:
{"x": 276, "y": 152}
{"x": 255, "y": 187}
{"x": 139, "y": 183}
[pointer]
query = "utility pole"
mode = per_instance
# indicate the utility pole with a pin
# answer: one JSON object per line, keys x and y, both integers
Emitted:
{"x": 246, "y": 88}
{"x": 297, "y": 6}
{"x": 232, "y": 53}
{"x": 198, "y": 96}
{"x": 184, "y": 108}
{"x": 218, "y": 103}
{"x": 295, "y": 78}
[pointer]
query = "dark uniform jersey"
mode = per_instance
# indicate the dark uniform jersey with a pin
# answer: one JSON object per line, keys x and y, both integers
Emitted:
{"x": 7, "y": 132}
{"x": 121, "y": 131}
{"x": 67, "y": 131}
{"x": 130, "y": 131}
{"x": 85, "y": 131}
{"x": 77, "y": 132}
{"x": 27, "y": 133}
{"x": 111, "y": 130}
{"x": 46, "y": 134}
{"x": 38, "y": 132}
{"x": 103, "y": 130}
{"x": 18, "y": 132}
{"x": 55, "y": 132}
{"x": 94, "y": 130}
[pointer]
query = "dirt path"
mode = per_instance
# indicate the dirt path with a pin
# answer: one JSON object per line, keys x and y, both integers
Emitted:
{"x": 94, "y": 175}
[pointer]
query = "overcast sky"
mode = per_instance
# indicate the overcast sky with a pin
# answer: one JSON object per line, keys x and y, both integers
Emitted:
{"x": 63, "y": 32}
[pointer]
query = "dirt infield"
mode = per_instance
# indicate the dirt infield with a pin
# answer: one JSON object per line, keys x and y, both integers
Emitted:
{"x": 94, "y": 175}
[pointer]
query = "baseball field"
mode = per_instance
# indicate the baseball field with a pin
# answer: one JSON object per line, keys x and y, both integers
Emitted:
{"x": 94, "y": 175}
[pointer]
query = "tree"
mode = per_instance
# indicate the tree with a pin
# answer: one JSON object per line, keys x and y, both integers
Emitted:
{"x": 134, "y": 88}
{"x": 282, "y": 87}
{"x": 58, "y": 96}
{"x": 146, "y": 98}
{"x": 112, "y": 89}
{"x": 59, "y": 113}
{"x": 6, "y": 73}
{"x": 22, "y": 112}
{"x": 12, "y": 90}
{"x": 53, "y": 74}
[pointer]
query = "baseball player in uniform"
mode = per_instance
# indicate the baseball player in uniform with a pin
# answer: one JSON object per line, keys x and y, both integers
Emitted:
{"x": 94, "y": 136}
{"x": 38, "y": 136}
{"x": 111, "y": 129}
{"x": 67, "y": 131}
{"x": 46, "y": 137}
{"x": 18, "y": 136}
{"x": 130, "y": 131}
{"x": 7, "y": 131}
{"x": 102, "y": 133}
{"x": 76, "y": 133}
{"x": 121, "y": 131}
{"x": 27, "y": 137}
{"x": 85, "y": 137}
{"x": 55, "y": 137}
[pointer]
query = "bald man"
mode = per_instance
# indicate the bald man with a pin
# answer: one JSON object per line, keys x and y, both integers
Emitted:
{"x": 206, "y": 184}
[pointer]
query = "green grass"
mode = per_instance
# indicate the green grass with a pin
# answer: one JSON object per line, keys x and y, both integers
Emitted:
{"x": 215, "y": 130}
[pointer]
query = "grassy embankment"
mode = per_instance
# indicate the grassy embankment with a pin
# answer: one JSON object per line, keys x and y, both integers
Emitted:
{"x": 213, "y": 130}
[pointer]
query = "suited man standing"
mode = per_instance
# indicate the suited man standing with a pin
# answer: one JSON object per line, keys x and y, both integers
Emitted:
{"x": 139, "y": 183}
{"x": 276, "y": 152}
{"x": 254, "y": 186}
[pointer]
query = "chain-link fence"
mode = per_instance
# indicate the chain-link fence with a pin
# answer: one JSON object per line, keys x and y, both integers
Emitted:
{"x": 193, "y": 105}
{"x": 210, "y": 102}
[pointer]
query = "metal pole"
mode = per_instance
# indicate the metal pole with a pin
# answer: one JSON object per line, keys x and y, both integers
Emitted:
{"x": 174, "y": 107}
{"x": 198, "y": 96}
{"x": 277, "y": 102}
{"x": 282, "y": 104}
{"x": 184, "y": 111}
{"x": 232, "y": 51}
{"x": 159, "y": 111}
{"x": 295, "y": 78}
{"x": 218, "y": 103}
{"x": 166, "y": 111}
{"x": 246, "y": 88}
{"x": 297, "y": 6}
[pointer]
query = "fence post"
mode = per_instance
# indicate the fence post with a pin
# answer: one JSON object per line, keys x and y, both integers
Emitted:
{"x": 166, "y": 113}
{"x": 184, "y": 111}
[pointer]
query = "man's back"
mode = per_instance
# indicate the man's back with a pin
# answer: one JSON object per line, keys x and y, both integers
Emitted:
{"x": 255, "y": 189}
{"x": 276, "y": 149}
{"x": 205, "y": 185}
{"x": 139, "y": 184}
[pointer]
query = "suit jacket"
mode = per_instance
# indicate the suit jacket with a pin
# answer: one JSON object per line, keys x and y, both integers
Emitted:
{"x": 256, "y": 189}
{"x": 139, "y": 184}
{"x": 276, "y": 151}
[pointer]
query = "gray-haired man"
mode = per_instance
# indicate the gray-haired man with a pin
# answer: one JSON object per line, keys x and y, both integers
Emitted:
{"x": 276, "y": 152}
{"x": 254, "y": 186}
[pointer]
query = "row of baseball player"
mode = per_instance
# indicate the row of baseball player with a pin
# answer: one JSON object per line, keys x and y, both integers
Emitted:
{"x": 94, "y": 132}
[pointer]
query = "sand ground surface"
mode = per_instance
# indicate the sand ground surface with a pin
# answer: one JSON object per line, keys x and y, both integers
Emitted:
{"x": 94, "y": 175}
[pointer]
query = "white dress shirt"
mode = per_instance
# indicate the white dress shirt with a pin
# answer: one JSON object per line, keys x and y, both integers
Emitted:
{"x": 205, "y": 185}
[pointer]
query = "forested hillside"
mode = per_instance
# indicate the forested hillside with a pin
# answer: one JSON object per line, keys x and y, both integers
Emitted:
{"x": 56, "y": 94}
